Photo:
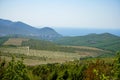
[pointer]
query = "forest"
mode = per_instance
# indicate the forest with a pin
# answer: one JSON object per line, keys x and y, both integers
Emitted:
{"x": 87, "y": 69}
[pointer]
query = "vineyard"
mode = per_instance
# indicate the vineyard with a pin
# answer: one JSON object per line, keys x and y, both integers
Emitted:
{"x": 45, "y": 56}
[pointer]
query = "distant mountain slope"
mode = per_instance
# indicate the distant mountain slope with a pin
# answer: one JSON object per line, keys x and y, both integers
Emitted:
{"x": 104, "y": 41}
{"x": 12, "y": 28}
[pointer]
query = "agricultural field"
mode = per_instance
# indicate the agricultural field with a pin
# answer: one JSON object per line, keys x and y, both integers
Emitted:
{"x": 47, "y": 56}
{"x": 43, "y": 52}
{"x": 15, "y": 41}
{"x": 44, "y": 56}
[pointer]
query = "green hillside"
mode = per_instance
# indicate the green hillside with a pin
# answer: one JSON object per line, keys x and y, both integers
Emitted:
{"x": 49, "y": 46}
{"x": 3, "y": 39}
{"x": 104, "y": 41}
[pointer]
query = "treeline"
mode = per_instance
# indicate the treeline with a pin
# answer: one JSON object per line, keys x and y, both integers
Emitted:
{"x": 76, "y": 70}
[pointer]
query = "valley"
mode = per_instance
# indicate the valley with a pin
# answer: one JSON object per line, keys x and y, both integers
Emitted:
{"x": 28, "y": 53}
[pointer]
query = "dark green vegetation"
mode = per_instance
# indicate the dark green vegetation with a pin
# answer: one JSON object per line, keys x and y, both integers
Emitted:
{"x": 104, "y": 41}
{"x": 94, "y": 69}
{"x": 2, "y": 40}
{"x": 13, "y": 70}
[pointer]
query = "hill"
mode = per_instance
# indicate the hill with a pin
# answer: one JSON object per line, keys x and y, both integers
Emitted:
{"x": 8, "y": 27}
{"x": 49, "y": 46}
{"x": 105, "y": 41}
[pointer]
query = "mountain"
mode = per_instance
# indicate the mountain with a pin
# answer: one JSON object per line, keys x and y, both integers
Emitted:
{"x": 105, "y": 41}
{"x": 8, "y": 27}
{"x": 48, "y": 33}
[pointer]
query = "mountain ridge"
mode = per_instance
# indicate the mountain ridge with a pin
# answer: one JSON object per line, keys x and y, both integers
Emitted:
{"x": 8, "y": 27}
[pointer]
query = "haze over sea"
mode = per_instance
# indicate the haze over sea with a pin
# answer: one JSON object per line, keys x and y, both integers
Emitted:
{"x": 67, "y": 17}
{"x": 85, "y": 31}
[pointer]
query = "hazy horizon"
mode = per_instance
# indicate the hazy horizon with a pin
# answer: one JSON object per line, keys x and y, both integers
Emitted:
{"x": 77, "y": 31}
{"x": 85, "y": 31}
{"x": 89, "y": 14}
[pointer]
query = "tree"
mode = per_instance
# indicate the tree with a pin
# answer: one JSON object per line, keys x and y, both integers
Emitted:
{"x": 2, "y": 67}
{"x": 116, "y": 69}
{"x": 16, "y": 71}
{"x": 65, "y": 75}
{"x": 54, "y": 76}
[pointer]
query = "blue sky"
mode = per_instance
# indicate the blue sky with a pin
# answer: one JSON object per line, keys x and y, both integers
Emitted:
{"x": 98, "y": 14}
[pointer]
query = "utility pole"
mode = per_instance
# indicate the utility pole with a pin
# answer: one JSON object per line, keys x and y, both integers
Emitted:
{"x": 28, "y": 51}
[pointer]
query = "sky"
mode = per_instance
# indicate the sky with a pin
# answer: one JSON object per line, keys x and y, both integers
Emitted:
{"x": 97, "y": 14}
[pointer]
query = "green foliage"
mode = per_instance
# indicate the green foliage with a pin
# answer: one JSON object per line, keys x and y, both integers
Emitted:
{"x": 53, "y": 76}
{"x": 2, "y": 67}
{"x": 15, "y": 71}
{"x": 67, "y": 71}
{"x": 65, "y": 75}
{"x": 74, "y": 70}
{"x": 116, "y": 68}
{"x": 104, "y": 41}
{"x": 2, "y": 40}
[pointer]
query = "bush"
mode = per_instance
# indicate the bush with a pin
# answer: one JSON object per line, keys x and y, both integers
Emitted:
{"x": 15, "y": 71}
